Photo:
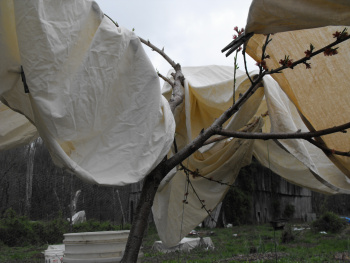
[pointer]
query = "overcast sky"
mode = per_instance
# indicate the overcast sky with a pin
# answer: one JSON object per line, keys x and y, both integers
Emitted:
{"x": 192, "y": 32}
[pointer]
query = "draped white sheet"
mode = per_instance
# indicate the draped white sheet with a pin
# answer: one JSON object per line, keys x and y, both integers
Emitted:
{"x": 95, "y": 99}
{"x": 94, "y": 95}
{"x": 208, "y": 92}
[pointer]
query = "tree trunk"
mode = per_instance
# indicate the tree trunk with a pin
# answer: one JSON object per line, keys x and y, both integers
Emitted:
{"x": 121, "y": 208}
{"x": 143, "y": 210}
{"x": 55, "y": 191}
{"x": 29, "y": 178}
{"x": 114, "y": 211}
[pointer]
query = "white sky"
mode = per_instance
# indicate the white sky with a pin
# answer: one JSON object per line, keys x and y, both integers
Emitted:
{"x": 192, "y": 32}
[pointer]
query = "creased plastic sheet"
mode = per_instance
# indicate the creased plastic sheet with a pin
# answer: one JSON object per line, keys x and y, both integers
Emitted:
{"x": 272, "y": 16}
{"x": 208, "y": 90}
{"x": 320, "y": 94}
{"x": 315, "y": 165}
{"x": 94, "y": 96}
{"x": 15, "y": 129}
{"x": 318, "y": 99}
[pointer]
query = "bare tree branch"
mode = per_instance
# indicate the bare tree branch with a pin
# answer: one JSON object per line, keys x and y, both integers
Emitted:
{"x": 326, "y": 149}
{"x": 115, "y": 22}
{"x": 166, "y": 79}
{"x": 304, "y": 59}
{"x": 295, "y": 135}
{"x": 203, "y": 206}
{"x": 178, "y": 91}
{"x": 282, "y": 135}
{"x": 207, "y": 133}
{"x": 245, "y": 65}
{"x": 217, "y": 124}
{"x": 220, "y": 138}
{"x": 159, "y": 51}
{"x": 153, "y": 47}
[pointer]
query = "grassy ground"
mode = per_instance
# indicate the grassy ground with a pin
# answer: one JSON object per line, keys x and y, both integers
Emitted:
{"x": 237, "y": 244}
{"x": 259, "y": 244}
{"x": 22, "y": 254}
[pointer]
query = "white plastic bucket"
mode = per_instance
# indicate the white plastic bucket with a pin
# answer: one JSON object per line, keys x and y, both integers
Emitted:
{"x": 54, "y": 254}
{"x": 104, "y": 246}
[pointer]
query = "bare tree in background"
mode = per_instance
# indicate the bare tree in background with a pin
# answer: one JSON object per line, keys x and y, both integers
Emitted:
{"x": 29, "y": 177}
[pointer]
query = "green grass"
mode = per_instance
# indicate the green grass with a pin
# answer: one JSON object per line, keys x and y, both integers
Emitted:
{"x": 258, "y": 244}
{"x": 252, "y": 244}
{"x": 22, "y": 254}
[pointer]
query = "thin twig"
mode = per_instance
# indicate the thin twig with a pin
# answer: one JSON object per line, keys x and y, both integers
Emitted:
{"x": 153, "y": 47}
{"x": 220, "y": 138}
{"x": 197, "y": 174}
{"x": 159, "y": 51}
{"x": 326, "y": 149}
{"x": 234, "y": 78}
{"x": 166, "y": 79}
{"x": 202, "y": 202}
{"x": 114, "y": 22}
{"x": 267, "y": 41}
{"x": 245, "y": 65}
{"x": 304, "y": 59}
{"x": 178, "y": 92}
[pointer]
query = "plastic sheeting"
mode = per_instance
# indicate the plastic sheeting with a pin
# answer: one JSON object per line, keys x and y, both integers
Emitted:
{"x": 208, "y": 92}
{"x": 320, "y": 94}
{"x": 94, "y": 96}
{"x": 185, "y": 245}
{"x": 273, "y": 16}
{"x": 312, "y": 100}
{"x": 15, "y": 129}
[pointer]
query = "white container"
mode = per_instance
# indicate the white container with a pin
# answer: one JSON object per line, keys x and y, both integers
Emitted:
{"x": 54, "y": 254}
{"x": 104, "y": 246}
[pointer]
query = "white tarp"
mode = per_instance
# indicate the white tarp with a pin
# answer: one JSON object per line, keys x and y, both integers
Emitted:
{"x": 94, "y": 95}
{"x": 185, "y": 245}
{"x": 208, "y": 92}
{"x": 313, "y": 99}
{"x": 272, "y": 16}
{"x": 15, "y": 129}
{"x": 95, "y": 100}
{"x": 320, "y": 94}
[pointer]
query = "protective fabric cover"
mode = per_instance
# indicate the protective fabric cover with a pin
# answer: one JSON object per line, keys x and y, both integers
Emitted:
{"x": 284, "y": 117}
{"x": 85, "y": 73}
{"x": 15, "y": 129}
{"x": 208, "y": 92}
{"x": 272, "y": 16}
{"x": 327, "y": 80}
{"x": 94, "y": 95}
{"x": 314, "y": 99}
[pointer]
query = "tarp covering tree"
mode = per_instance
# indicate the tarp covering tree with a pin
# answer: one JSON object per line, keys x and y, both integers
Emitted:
{"x": 89, "y": 90}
